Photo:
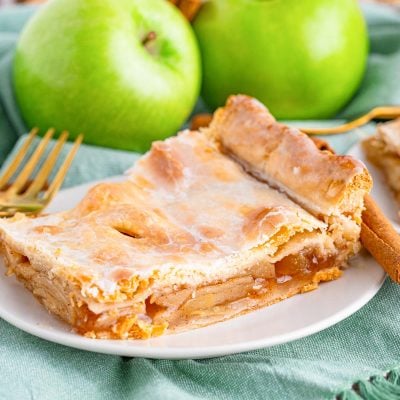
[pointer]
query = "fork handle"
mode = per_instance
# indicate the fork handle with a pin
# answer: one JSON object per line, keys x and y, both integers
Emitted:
{"x": 387, "y": 112}
{"x": 383, "y": 112}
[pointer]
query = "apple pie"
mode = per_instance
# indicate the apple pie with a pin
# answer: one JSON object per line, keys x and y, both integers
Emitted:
{"x": 207, "y": 225}
{"x": 383, "y": 150}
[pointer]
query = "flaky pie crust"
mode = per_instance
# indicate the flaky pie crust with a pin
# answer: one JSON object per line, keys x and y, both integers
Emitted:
{"x": 208, "y": 225}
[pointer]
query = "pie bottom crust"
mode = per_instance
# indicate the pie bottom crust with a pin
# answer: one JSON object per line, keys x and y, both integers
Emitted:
{"x": 179, "y": 309}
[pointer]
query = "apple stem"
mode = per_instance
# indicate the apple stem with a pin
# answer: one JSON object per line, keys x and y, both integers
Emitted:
{"x": 150, "y": 37}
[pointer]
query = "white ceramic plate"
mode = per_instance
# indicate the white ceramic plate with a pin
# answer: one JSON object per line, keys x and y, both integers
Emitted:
{"x": 291, "y": 319}
{"x": 380, "y": 191}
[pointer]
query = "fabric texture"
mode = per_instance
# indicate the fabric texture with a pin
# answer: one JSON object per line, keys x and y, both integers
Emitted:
{"x": 338, "y": 361}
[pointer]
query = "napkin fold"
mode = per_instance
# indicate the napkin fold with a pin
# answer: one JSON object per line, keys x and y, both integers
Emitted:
{"x": 338, "y": 361}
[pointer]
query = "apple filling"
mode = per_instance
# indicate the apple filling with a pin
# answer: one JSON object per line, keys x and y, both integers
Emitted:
{"x": 199, "y": 306}
{"x": 173, "y": 309}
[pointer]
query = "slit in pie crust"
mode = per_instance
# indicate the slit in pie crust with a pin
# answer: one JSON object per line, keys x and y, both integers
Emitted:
{"x": 208, "y": 225}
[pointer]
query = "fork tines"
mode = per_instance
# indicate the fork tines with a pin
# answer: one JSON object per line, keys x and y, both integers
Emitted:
{"x": 27, "y": 188}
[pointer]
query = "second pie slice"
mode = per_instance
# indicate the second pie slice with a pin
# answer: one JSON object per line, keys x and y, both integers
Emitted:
{"x": 208, "y": 225}
{"x": 383, "y": 150}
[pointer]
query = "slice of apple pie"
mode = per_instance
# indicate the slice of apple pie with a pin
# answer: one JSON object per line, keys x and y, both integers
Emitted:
{"x": 208, "y": 225}
{"x": 383, "y": 150}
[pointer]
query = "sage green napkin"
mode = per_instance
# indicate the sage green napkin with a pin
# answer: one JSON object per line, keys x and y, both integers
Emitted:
{"x": 320, "y": 366}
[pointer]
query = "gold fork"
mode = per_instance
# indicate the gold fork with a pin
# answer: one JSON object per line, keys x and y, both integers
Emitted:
{"x": 385, "y": 112}
{"x": 31, "y": 197}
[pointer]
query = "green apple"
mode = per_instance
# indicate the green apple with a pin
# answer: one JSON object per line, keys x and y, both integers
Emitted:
{"x": 302, "y": 58}
{"x": 123, "y": 72}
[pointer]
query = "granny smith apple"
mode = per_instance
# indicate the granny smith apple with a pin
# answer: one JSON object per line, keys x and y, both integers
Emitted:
{"x": 123, "y": 72}
{"x": 303, "y": 59}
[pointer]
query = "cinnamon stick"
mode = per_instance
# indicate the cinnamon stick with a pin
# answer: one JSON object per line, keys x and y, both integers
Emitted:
{"x": 200, "y": 121}
{"x": 321, "y": 144}
{"x": 189, "y": 8}
{"x": 380, "y": 239}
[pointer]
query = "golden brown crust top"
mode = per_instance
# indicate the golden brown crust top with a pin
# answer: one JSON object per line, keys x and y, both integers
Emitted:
{"x": 287, "y": 158}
